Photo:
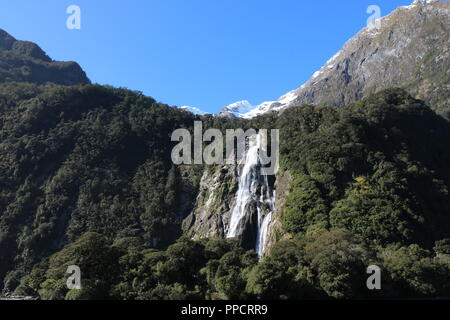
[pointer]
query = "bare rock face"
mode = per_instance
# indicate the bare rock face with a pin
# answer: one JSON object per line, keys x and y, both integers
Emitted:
{"x": 214, "y": 203}
{"x": 409, "y": 48}
{"x": 25, "y": 61}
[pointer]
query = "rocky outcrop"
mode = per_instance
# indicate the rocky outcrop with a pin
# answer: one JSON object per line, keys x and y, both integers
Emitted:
{"x": 216, "y": 198}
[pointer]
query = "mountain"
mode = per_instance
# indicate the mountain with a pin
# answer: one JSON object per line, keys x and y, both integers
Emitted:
{"x": 86, "y": 158}
{"x": 193, "y": 110}
{"x": 409, "y": 49}
{"x": 237, "y": 109}
{"x": 86, "y": 179}
{"x": 24, "y": 61}
{"x": 328, "y": 154}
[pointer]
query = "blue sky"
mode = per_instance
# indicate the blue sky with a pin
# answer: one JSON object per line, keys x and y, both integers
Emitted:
{"x": 203, "y": 53}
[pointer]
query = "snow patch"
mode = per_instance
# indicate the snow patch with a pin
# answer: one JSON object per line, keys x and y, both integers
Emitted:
{"x": 193, "y": 110}
{"x": 417, "y": 2}
{"x": 288, "y": 98}
{"x": 239, "y": 109}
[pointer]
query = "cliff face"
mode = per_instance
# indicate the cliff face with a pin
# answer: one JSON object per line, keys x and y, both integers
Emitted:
{"x": 24, "y": 61}
{"x": 218, "y": 197}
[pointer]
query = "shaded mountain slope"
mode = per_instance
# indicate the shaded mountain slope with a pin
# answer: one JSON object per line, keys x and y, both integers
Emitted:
{"x": 24, "y": 61}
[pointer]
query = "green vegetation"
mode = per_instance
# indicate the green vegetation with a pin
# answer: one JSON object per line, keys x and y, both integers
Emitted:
{"x": 326, "y": 265}
{"x": 24, "y": 61}
{"x": 86, "y": 158}
{"x": 378, "y": 168}
{"x": 86, "y": 179}
{"x": 214, "y": 269}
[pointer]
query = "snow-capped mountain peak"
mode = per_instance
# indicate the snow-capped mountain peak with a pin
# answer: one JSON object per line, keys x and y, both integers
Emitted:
{"x": 238, "y": 109}
{"x": 194, "y": 110}
{"x": 244, "y": 109}
{"x": 382, "y": 55}
{"x": 422, "y": 1}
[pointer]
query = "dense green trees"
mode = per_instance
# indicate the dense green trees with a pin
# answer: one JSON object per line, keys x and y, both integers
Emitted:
{"x": 86, "y": 158}
{"x": 86, "y": 178}
{"x": 305, "y": 206}
{"x": 324, "y": 265}
{"x": 378, "y": 168}
{"x": 25, "y": 61}
{"x": 127, "y": 269}
{"x": 98, "y": 263}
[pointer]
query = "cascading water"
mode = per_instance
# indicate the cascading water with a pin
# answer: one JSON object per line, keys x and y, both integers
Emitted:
{"x": 253, "y": 188}
{"x": 262, "y": 234}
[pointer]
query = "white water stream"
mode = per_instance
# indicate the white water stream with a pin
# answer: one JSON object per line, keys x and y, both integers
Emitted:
{"x": 251, "y": 183}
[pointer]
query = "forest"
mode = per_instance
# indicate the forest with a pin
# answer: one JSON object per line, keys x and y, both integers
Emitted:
{"x": 86, "y": 179}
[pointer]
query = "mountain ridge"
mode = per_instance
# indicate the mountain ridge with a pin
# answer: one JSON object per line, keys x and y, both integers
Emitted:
{"x": 25, "y": 61}
{"x": 403, "y": 42}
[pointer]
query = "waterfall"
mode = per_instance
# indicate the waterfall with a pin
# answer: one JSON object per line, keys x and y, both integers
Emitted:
{"x": 247, "y": 180}
{"x": 262, "y": 234}
{"x": 252, "y": 184}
